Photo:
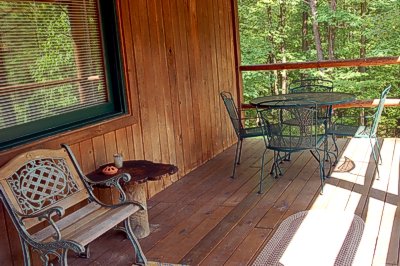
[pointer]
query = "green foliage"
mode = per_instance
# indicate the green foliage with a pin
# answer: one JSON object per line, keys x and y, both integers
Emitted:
{"x": 43, "y": 53}
{"x": 266, "y": 26}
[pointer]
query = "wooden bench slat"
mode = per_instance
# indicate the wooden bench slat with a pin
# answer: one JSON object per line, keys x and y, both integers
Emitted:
{"x": 66, "y": 203}
{"x": 66, "y": 221}
{"x": 88, "y": 223}
{"x": 102, "y": 224}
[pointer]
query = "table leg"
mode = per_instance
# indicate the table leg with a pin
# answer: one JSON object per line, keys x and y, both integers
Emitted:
{"x": 140, "y": 220}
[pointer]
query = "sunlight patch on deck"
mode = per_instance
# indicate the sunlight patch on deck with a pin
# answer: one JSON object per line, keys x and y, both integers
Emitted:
{"x": 385, "y": 232}
{"x": 393, "y": 186}
{"x": 366, "y": 248}
{"x": 381, "y": 180}
{"x": 337, "y": 198}
{"x": 313, "y": 242}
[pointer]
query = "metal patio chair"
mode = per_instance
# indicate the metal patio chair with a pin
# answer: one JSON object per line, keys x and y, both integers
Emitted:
{"x": 307, "y": 133}
{"x": 311, "y": 85}
{"x": 241, "y": 131}
{"x": 342, "y": 129}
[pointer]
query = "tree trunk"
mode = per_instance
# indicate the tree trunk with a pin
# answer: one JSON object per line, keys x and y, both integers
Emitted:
{"x": 272, "y": 56}
{"x": 363, "y": 40}
{"x": 317, "y": 36}
{"x": 304, "y": 32}
{"x": 282, "y": 22}
{"x": 305, "y": 44}
{"x": 331, "y": 33}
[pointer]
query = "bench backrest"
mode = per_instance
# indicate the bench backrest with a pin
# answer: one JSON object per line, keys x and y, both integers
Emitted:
{"x": 40, "y": 179}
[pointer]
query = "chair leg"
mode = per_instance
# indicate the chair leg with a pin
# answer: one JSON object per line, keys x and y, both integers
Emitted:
{"x": 63, "y": 258}
{"x": 236, "y": 158}
{"x": 336, "y": 150}
{"x": 378, "y": 146}
{"x": 275, "y": 169}
{"x": 287, "y": 156}
{"x": 321, "y": 171}
{"x": 373, "y": 150}
{"x": 25, "y": 252}
{"x": 240, "y": 151}
{"x": 374, "y": 155}
{"x": 140, "y": 259}
{"x": 262, "y": 172}
{"x": 86, "y": 253}
{"x": 320, "y": 161}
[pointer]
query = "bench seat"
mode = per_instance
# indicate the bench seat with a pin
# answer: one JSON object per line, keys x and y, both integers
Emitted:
{"x": 88, "y": 223}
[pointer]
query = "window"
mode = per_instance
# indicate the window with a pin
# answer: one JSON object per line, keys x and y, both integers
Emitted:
{"x": 59, "y": 67}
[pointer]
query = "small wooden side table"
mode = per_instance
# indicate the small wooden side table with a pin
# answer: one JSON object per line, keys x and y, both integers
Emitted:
{"x": 141, "y": 171}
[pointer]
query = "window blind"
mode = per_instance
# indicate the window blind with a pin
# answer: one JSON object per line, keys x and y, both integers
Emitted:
{"x": 51, "y": 59}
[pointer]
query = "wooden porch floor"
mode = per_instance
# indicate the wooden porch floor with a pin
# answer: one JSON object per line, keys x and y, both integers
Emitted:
{"x": 208, "y": 218}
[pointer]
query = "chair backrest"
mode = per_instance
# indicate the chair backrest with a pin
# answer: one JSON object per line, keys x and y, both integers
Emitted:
{"x": 378, "y": 113}
{"x": 291, "y": 127}
{"x": 40, "y": 179}
{"x": 232, "y": 111}
{"x": 310, "y": 85}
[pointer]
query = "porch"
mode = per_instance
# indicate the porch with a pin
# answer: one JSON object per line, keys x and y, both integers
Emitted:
{"x": 210, "y": 219}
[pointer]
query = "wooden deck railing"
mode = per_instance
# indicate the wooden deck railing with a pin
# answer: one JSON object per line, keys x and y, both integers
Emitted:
{"x": 357, "y": 103}
{"x": 371, "y": 61}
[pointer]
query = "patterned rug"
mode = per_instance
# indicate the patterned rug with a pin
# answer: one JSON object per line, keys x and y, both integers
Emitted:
{"x": 156, "y": 263}
{"x": 316, "y": 237}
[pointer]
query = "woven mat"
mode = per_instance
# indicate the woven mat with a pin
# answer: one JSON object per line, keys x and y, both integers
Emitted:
{"x": 314, "y": 237}
{"x": 156, "y": 263}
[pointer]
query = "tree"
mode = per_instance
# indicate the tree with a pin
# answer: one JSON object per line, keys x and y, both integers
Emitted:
{"x": 317, "y": 36}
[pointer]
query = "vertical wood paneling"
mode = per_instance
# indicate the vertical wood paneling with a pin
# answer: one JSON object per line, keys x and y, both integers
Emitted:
{"x": 99, "y": 151}
{"x": 178, "y": 55}
{"x": 14, "y": 242}
{"x": 5, "y": 252}
{"x": 176, "y": 144}
{"x": 87, "y": 156}
{"x": 185, "y": 93}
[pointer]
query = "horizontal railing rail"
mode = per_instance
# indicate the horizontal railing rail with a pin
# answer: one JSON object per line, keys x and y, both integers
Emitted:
{"x": 356, "y": 103}
{"x": 371, "y": 61}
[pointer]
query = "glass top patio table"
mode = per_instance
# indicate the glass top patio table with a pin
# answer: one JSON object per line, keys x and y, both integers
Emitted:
{"x": 319, "y": 98}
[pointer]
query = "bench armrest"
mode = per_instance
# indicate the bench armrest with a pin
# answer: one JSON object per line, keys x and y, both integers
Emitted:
{"x": 47, "y": 215}
{"x": 113, "y": 182}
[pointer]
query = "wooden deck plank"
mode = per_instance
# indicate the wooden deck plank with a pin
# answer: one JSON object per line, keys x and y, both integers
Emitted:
{"x": 215, "y": 220}
{"x": 249, "y": 247}
{"x": 393, "y": 198}
{"x": 189, "y": 232}
{"x": 374, "y": 210}
{"x": 194, "y": 199}
{"x": 273, "y": 208}
{"x": 272, "y": 217}
{"x": 233, "y": 219}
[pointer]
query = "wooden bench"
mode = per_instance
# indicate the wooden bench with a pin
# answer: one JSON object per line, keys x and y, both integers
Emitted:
{"x": 38, "y": 186}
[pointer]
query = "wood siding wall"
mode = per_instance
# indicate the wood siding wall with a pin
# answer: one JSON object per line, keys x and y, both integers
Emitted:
{"x": 178, "y": 56}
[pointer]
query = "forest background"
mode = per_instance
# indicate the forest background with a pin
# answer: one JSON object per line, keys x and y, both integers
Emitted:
{"x": 274, "y": 31}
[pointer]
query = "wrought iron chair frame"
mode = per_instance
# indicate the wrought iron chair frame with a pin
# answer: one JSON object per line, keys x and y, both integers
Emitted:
{"x": 310, "y": 85}
{"x": 241, "y": 131}
{"x": 362, "y": 131}
{"x": 275, "y": 128}
{"x": 314, "y": 85}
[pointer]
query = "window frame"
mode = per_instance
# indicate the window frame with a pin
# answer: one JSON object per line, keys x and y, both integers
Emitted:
{"x": 116, "y": 108}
